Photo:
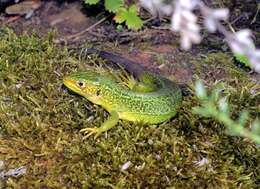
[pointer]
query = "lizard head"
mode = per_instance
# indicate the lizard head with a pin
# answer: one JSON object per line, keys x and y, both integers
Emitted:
{"x": 87, "y": 84}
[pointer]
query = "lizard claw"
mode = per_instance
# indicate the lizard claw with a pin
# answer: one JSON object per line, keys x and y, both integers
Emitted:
{"x": 90, "y": 131}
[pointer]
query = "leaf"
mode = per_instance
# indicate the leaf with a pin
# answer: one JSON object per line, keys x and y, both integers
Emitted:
{"x": 132, "y": 20}
{"x": 200, "y": 90}
{"x": 91, "y": 2}
{"x": 256, "y": 127}
{"x": 120, "y": 16}
{"x": 202, "y": 111}
{"x": 214, "y": 96}
{"x": 223, "y": 105}
{"x": 243, "y": 59}
{"x": 113, "y": 5}
{"x": 129, "y": 17}
{"x": 243, "y": 118}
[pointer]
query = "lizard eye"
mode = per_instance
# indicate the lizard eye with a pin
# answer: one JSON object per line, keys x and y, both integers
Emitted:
{"x": 98, "y": 92}
{"x": 81, "y": 84}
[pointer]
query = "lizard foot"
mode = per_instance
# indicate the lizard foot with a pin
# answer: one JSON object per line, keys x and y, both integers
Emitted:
{"x": 91, "y": 131}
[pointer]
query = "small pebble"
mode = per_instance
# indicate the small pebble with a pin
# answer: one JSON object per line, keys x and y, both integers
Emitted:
{"x": 150, "y": 141}
{"x": 15, "y": 172}
{"x": 2, "y": 165}
{"x": 158, "y": 157}
{"x": 126, "y": 166}
{"x": 201, "y": 162}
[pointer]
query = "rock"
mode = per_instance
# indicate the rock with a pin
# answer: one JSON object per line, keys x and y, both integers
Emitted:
{"x": 24, "y": 8}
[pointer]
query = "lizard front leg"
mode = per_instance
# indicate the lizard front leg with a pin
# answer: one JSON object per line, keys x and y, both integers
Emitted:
{"x": 108, "y": 124}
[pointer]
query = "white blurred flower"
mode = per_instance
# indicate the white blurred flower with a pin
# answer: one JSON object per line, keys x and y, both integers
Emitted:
{"x": 189, "y": 16}
{"x": 188, "y": 4}
{"x": 176, "y": 20}
{"x": 221, "y": 14}
{"x": 151, "y": 5}
{"x": 156, "y": 7}
{"x": 255, "y": 60}
{"x": 244, "y": 36}
{"x": 190, "y": 36}
{"x": 211, "y": 17}
{"x": 241, "y": 41}
{"x": 185, "y": 42}
{"x": 184, "y": 21}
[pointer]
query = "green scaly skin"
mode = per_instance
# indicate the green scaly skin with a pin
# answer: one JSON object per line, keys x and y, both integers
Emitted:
{"x": 152, "y": 107}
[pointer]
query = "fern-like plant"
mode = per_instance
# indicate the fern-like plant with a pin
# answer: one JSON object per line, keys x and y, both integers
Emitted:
{"x": 218, "y": 108}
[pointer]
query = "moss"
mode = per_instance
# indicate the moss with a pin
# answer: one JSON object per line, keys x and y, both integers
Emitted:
{"x": 218, "y": 66}
{"x": 40, "y": 122}
{"x": 161, "y": 60}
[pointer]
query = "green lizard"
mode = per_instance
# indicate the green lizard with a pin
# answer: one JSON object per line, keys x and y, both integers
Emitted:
{"x": 154, "y": 100}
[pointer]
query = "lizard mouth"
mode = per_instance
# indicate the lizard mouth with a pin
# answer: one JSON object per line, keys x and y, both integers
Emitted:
{"x": 71, "y": 84}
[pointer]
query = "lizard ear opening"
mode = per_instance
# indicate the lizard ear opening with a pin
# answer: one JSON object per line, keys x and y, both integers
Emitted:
{"x": 96, "y": 81}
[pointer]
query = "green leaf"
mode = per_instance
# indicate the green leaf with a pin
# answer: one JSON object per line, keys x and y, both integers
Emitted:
{"x": 198, "y": 110}
{"x": 256, "y": 127}
{"x": 243, "y": 59}
{"x": 129, "y": 17}
{"x": 214, "y": 96}
{"x": 120, "y": 16}
{"x": 202, "y": 111}
{"x": 119, "y": 28}
{"x": 223, "y": 105}
{"x": 113, "y": 5}
{"x": 91, "y": 2}
{"x": 243, "y": 118}
{"x": 132, "y": 20}
{"x": 200, "y": 90}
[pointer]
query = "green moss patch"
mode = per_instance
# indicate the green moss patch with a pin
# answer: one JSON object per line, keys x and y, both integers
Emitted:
{"x": 40, "y": 122}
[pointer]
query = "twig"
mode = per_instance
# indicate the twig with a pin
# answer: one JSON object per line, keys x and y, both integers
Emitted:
{"x": 149, "y": 19}
{"x": 77, "y": 35}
